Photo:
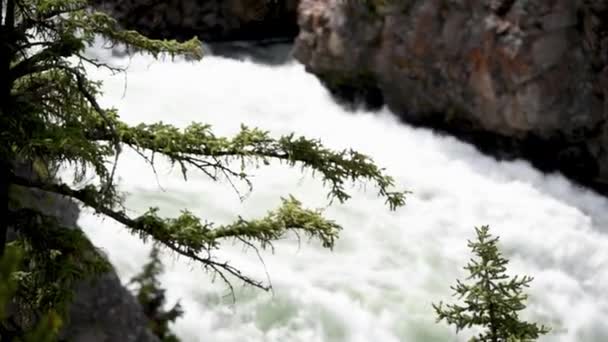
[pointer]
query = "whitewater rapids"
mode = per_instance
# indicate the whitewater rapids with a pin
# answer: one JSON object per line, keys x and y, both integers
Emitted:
{"x": 388, "y": 267}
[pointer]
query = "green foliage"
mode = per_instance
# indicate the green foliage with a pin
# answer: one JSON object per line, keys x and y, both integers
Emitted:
{"x": 55, "y": 258}
{"x": 152, "y": 298}
{"x": 493, "y": 300}
{"x": 47, "y": 327}
{"x": 9, "y": 264}
{"x": 50, "y": 116}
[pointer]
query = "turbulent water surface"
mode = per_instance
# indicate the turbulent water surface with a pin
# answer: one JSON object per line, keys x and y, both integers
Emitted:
{"x": 388, "y": 267}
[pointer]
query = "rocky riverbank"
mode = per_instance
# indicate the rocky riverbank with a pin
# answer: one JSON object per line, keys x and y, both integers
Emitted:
{"x": 517, "y": 78}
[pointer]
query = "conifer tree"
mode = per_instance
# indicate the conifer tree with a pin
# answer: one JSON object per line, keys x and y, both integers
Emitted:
{"x": 50, "y": 116}
{"x": 493, "y": 300}
{"x": 152, "y": 298}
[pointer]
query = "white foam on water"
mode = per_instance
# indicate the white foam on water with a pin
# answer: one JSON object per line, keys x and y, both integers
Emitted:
{"x": 388, "y": 267}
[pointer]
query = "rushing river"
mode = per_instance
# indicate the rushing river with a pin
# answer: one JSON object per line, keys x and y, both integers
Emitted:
{"x": 388, "y": 267}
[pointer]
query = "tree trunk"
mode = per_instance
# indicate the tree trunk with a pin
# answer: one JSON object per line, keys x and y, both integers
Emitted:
{"x": 493, "y": 322}
{"x": 6, "y": 55}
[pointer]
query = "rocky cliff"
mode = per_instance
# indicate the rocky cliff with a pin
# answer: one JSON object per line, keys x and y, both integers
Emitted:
{"x": 518, "y": 78}
{"x": 210, "y": 20}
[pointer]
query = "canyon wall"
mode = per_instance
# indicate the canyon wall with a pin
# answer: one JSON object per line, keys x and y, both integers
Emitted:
{"x": 517, "y": 78}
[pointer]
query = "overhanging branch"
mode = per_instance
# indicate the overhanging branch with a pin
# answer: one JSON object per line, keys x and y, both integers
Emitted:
{"x": 195, "y": 143}
{"x": 34, "y": 64}
{"x": 29, "y": 21}
{"x": 88, "y": 197}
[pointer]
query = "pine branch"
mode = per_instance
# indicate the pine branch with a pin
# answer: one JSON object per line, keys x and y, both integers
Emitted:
{"x": 188, "y": 236}
{"x": 44, "y": 13}
{"x": 39, "y": 62}
{"x": 88, "y": 197}
{"x": 196, "y": 142}
{"x": 97, "y": 23}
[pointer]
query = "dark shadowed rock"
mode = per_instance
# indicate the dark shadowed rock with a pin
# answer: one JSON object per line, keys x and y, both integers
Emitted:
{"x": 269, "y": 52}
{"x": 517, "y": 78}
{"x": 102, "y": 309}
{"x": 210, "y": 20}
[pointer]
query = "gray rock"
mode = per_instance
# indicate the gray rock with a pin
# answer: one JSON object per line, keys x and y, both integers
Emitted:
{"x": 104, "y": 311}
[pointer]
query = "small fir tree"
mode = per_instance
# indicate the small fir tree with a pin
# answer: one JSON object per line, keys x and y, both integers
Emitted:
{"x": 152, "y": 298}
{"x": 494, "y": 299}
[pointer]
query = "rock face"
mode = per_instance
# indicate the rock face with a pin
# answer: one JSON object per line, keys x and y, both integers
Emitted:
{"x": 519, "y": 78}
{"x": 210, "y": 20}
{"x": 102, "y": 310}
